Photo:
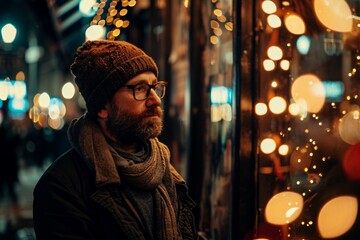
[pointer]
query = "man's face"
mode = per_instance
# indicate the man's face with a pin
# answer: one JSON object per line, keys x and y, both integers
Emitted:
{"x": 131, "y": 121}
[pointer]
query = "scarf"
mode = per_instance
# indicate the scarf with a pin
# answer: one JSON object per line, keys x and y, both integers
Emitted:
{"x": 151, "y": 174}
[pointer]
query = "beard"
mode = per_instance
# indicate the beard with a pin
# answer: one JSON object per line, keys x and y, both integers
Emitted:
{"x": 130, "y": 128}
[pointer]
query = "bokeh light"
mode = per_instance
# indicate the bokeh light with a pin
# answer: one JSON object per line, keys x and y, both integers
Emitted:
{"x": 337, "y": 216}
{"x": 351, "y": 162}
{"x": 275, "y": 53}
{"x": 269, "y": 65}
{"x": 68, "y": 90}
{"x": 268, "y": 6}
{"x": 277, "y": 105}
{"x": 44, "y": 100}
{"x": 283, "y": 149}
{"x": 334, "y": 14}
{"x": 303, "y": 44}
{"x": 95, "y": 32}
{"x": 268, "y": 145}
{"x": 349, "y": 127}
{"x": 308, "y": 92}
{"x": 283, "y": 208}
{"x": 294, "y": 23}
{"x": 285, "y": 64}
{"x": 8, "y": 33}
{"x": 260, "y": 109}
{"x": 274, "y": 21}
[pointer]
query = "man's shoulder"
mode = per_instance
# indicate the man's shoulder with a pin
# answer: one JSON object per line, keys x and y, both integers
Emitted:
{"x": 65, "y": 163}
{"x": 67, "y": 169}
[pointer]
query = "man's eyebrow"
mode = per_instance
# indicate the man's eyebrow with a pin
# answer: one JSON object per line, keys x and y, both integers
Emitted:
{"x": 138, "y": 81}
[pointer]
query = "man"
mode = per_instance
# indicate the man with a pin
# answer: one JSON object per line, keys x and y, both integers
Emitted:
{"x": 116, "y": 182}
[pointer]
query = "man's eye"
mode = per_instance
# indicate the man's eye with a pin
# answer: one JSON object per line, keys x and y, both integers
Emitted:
{"x": 140, "y": 88}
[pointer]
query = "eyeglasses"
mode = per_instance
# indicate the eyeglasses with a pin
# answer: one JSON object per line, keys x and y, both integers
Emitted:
{"x": 141, "y": 91}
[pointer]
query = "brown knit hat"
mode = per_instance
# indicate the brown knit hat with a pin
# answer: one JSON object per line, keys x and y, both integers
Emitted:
{"x": 101, "y": 67}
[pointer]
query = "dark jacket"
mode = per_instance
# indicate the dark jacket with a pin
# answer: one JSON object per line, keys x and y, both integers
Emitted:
{"x": 68, "y": 205}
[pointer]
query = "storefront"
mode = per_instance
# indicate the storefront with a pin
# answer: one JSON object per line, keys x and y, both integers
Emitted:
{"x": 264, "y": 99}
{"x": 262, "y": 113}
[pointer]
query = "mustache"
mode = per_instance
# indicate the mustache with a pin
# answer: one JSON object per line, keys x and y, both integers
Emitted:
{"x": 156, "y": 110}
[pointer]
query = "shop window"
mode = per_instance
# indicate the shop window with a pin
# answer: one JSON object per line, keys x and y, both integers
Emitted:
{"x": 308, "y": 113}
{"x": 218, "y": 61}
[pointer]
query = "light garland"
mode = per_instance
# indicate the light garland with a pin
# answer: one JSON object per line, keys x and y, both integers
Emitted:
{"x": 114, "y": 18}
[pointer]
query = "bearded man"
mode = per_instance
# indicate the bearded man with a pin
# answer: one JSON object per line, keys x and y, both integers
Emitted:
{"x": 116, "y": 182}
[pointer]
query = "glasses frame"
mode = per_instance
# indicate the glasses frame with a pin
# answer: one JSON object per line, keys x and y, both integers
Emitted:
{"x": 151, "y": 86}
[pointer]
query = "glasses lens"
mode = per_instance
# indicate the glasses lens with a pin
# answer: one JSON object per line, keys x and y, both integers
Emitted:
{"x": 160, "y": 90}
{"x": 140, "y": 91}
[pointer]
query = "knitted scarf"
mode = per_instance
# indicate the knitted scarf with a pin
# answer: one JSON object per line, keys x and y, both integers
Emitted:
{"x": 152, "y": 173}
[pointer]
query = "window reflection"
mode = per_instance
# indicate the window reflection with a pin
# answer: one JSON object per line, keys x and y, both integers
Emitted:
{"x": 308, "y": 173}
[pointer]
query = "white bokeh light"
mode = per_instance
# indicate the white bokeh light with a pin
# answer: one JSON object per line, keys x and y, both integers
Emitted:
{"x": 275, "y": 53}
{"x": 277, "y": 105}
{"x": 68, "y": 90}
{"x": 349, "y": 127}
{"x": 268, "y": 145}
{"x": 260, "y": 109}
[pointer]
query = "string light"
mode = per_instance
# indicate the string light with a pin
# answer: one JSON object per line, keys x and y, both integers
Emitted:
{"x": 115, "y": 18}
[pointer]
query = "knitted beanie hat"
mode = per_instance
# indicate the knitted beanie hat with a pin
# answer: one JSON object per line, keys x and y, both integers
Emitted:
{"x": 101, "y": 67}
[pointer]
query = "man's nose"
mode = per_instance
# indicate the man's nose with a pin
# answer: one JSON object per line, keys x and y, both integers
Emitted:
{"x": 153, "y": 99}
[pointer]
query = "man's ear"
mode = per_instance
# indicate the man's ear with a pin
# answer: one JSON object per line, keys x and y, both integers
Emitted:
{"x": 103, "y": 113}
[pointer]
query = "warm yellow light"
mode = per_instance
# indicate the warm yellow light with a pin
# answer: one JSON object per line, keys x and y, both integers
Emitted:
{"x": 218, "y": 12}
{"x": 268, "y": 7}
{"x": 269, "y": 65}
{"x": 8, "y": 33}
{"x": 214, "y": 39}
{"x": 285, "y": 64}
{"x": 4, "y": 90}
{"x": 56, "y": 124}
{"x": 19, "y": 89}
{"x": 308, "y": 92}
{"x": 274, "y": 84}
{"x": 334, "y": 14}
{"x": 54, "y": 111}
{"x": 260, "y": 109}
{"x": 215, "y": 113}
{"x": 226, "y": 112}
{"x": 349, "y": 127}
{"x": 277, "y": 105}
{"x": 268, "y": 145}
{"x": 294, "y": 23}
{"x": 95, "y": 32}
{"x": 68, "y": 90}
{"x": 337, "y": 216}
{"x": 126, "y": 23}
{"x": 283, "y": 208}
{"x": 285, "y": 3}
{"x": 283, "y": 150}
{"x": 275, "y": 53}
{"x": 20, "y": 76}
{"x": 294, "y": 109}
{"x": 44, "y": 100}
{"x": 274, "y": 21}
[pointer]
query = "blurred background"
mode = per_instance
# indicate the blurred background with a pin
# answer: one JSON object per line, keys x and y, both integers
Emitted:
{"x": 262, "y": 111}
